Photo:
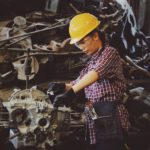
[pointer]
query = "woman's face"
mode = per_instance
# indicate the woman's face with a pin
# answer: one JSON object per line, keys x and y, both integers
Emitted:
{"x": 89, "y": 45}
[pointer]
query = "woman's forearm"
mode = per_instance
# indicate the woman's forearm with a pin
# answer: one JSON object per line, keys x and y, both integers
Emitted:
{"x": 85, "y": 81}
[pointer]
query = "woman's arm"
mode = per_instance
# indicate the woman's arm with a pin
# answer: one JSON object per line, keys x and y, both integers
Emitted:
{"x": 85, "y": 81}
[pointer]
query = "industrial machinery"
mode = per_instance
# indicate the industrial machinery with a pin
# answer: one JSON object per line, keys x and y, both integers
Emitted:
{"x": 35, "y": 123}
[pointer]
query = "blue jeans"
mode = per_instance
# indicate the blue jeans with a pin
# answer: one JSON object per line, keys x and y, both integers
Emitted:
{"x": 111, "y": 144}
{"x": 107, "y": 126}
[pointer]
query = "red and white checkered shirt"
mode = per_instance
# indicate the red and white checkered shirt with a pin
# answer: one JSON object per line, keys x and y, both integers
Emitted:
{"x": 106, "y": 62}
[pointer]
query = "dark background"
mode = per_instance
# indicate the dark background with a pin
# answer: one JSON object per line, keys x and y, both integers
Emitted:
{"x": 11, "y": 8}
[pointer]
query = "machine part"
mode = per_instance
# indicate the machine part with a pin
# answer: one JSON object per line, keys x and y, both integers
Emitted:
{"x": 32, "y": 93}
{"x": 43, "y": 122}
{"x": 55, "y": 46}
{"x": 36, "y": 121}
{"x": 4, "y": 34}
{"x": 52, "y": 5}
{"x": 19, "y": 66}
{"x": 29, "y": 110}
{"x": 19, "y": 115}
{"x": 18, "y": 29}
{"x": 7, "y": 73}
{"x": 4, "y": 116}
{"x": 61, "y": 24}
{"x": 20, "y": 22}
{"x": 60, "y": 120}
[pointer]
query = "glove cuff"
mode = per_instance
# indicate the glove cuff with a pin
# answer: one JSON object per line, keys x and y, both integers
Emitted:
{"x": 70, "y": 93}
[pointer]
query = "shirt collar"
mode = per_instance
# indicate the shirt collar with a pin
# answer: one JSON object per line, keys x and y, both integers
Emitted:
{"x": 98, "y": 53}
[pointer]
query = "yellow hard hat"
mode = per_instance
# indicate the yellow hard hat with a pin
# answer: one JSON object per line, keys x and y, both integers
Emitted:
{"x": 81, "y": 25}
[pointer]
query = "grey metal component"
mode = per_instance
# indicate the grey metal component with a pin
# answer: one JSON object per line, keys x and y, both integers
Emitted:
{"x": 37, "y": 122}
{"x": 52, "y": 5}
{"x": 19, "y": 66}
{"x": 35, "y": 32}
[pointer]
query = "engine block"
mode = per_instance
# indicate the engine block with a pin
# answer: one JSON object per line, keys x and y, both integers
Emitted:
{"x": 36, "y": 121}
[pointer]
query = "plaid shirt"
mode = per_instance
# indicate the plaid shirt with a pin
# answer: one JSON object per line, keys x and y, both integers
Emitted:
{"x": 110, "y": 86}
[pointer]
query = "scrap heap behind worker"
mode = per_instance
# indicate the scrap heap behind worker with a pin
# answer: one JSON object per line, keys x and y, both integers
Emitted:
{"x": 103, "y": 83}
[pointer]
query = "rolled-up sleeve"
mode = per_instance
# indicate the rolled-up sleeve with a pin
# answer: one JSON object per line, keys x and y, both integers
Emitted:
{"x": 107, "y": 62}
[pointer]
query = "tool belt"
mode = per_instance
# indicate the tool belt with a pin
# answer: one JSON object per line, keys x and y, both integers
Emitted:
{"x": 107, "y": 124}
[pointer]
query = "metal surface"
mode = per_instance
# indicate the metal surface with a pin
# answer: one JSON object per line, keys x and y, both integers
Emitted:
{"x": 37, "y": 122}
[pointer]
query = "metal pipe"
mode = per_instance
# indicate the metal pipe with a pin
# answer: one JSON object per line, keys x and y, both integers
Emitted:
{"x": 35, "y": 32}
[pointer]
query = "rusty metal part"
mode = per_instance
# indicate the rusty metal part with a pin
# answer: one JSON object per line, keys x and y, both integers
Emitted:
{"x": 61, "y": 24}
{"x": 19, "y": 66}
{"x": 8, "y": 45}
{"x": 129, "y": 60}
{"x": 74, "y": 8}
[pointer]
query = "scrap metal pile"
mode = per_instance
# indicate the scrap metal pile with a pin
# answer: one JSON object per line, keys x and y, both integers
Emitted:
{"x": 31, "y": 45}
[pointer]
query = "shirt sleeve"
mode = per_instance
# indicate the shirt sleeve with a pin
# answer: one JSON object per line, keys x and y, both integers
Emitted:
{"x": 107, "y": 62}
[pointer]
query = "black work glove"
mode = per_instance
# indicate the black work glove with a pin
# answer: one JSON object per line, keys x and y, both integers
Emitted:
{"x": 54, "y": 89}
{"x": 65, "y": 99}
{"x": 78, "y": 107}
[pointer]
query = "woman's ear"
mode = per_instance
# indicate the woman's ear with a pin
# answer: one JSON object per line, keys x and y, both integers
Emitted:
{"x": 96, "y": 36}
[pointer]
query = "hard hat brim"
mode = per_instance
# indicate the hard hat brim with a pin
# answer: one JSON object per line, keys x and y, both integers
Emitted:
{"x": 73, "y": 41}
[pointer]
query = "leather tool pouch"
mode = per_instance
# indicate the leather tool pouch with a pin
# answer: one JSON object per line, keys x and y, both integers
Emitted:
{"x": 107, "y": 125}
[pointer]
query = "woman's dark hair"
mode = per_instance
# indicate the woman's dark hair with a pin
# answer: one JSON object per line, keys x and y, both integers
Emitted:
{"x": 100, "y": 33}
